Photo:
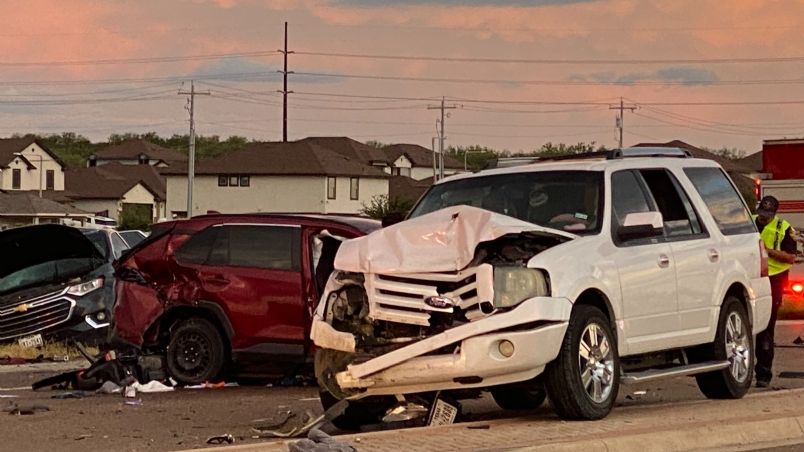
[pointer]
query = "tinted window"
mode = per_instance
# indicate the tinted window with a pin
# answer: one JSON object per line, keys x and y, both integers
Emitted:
{"x": 627, "y": 196}
{"x": 99, "y": 240}
{"x": 270, "y": 247}
{"x": 677, "y": 213}
{"x": 196, "y": 249}
{"x": 722, "y": 200}
{"x": 133, "y": 238}
{"x": 568, "y": 200}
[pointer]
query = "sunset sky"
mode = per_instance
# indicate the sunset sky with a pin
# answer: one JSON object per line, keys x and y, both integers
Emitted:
{"x": 521, "y": 73}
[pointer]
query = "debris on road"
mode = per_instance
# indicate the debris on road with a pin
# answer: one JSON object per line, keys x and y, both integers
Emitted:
{"x": 24, "y": 410}
{"x": 151, "y": 386}
{"x": 791, "y": 374}
{"x": 137, "y": 402}
{"x": 221, "y": 439}
{"x": 318, "y": 441}
{"x": 73, "y": 395}
{"x": 109, "y": 387}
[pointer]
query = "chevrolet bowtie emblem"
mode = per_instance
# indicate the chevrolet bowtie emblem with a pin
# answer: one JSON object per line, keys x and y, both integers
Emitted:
{"x": 22, "y": 308}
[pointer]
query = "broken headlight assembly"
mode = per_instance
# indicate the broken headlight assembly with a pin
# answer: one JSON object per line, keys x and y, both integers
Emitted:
{"x": 79, "y": 290}
{"x": 513, "y": 285}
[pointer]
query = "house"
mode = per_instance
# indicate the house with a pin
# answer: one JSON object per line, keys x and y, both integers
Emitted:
{"x": 299, "y": 177}
{"x": 740, "y": 173}
{"x": 25, "y": 208}
{"x": 27, "y": 164}
{"x": 406, "y": 188}
{"x": 416, "y": 161}
{"x": 137, "y": 152}
{"x": 116, "y": 190}
{"x": 409, "y": 160}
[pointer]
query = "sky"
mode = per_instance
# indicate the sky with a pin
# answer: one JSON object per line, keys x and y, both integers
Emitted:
{"x": 518, "y": 73}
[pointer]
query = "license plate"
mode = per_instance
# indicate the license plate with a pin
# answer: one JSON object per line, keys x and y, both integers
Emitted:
{"x": 31, "y": 341}
{"x": 443, "y": 413}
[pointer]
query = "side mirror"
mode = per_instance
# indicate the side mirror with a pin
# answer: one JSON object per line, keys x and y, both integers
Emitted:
{"x": 640, "y": 226}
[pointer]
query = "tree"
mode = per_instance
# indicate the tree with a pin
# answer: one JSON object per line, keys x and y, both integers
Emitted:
{"x": 375, "y": 144}
{"x": 381, "y": 206}
{"x": 557, "y": 150}
{"x": 727, "y": 152}
{"x": 476, "y": 156}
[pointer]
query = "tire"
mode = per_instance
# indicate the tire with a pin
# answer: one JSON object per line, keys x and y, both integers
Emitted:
{"x": 521, "y": 396}
{"x": 358, "y": 413}
{"x": 734, "y": 342}
{"x": 569, "y": 396}
{"x": 196, "y": 352}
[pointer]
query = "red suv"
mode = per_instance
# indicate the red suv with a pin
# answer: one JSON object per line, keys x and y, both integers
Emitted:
{"x": 223, "y": 294}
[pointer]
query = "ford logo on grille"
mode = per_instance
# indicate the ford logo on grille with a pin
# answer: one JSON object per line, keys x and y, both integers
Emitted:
{"x": 439, "y": 302}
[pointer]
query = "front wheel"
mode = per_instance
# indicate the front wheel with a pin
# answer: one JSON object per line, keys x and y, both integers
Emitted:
{"x": 583, "y": 381}
{"x": 735, "y": 344}
{"x": 196, "y": 352}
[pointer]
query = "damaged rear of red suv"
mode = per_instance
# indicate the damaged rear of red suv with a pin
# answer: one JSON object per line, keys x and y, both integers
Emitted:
{"x": 221, "y": 294}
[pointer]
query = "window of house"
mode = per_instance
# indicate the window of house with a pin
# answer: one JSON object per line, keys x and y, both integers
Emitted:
{"x": 354, "y": 188}
{"x": 223, "y": 181}
{"x": 16, "y": 179}
{"x": 234, "y": 181}
{"x": 245, "y": 181}
{"x": 395, "y": 171}
{"x": 404, "y": 172}
{"x": 331, "y": 193}
{"x": 50, "y": 179}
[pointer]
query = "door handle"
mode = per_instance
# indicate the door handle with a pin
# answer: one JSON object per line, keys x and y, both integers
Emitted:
{"x": 664, "y": 261}
{"x": 714, "y": 256}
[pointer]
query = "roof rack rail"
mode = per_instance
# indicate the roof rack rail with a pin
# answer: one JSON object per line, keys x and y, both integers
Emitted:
{"x": 650, "y": 152}
{"x": 582, "y": 156}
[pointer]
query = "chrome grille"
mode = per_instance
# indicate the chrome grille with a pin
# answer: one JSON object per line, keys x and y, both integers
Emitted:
{"x": 32, "y": 316}
{"x": 401, "y": 298}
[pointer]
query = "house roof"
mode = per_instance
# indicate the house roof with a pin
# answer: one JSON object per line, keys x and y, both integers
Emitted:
{"x": 403, "y": 187}
{"x": 28, "y": 203}
{"x": 727, "y": 164}
{"x": 10, "y": 146}
{"x": 131, "y": 150}
{"x": 112, "y": 181}
{"x": 753, "y": 161}
{"x": 296, "y": 158}
{"x": 419, "y": 156}
{"x": 350, "y": 148}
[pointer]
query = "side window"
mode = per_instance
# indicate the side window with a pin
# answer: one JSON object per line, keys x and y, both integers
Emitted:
{"x": 722, "y": 199}
{"x": 118, "y": 245}
{"x": 679, "y": 217}
{"x": 627, "y": 196}
{"x": 197, "y": 248}
{"x": 268, "y": 247}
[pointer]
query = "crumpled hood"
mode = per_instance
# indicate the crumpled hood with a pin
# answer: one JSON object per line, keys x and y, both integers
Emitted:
{"x": 441, "y": 241}
{"x": 32, "y": 245}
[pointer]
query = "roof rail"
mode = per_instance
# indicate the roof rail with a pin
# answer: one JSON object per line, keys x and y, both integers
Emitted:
{"x": 650, "y": 152}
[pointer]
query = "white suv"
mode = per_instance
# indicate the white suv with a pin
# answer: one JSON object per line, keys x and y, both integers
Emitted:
{"x": 566, "y": 277}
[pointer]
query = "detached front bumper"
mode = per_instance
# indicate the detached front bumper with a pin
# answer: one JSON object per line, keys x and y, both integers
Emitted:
{"x": 534, "y": 331}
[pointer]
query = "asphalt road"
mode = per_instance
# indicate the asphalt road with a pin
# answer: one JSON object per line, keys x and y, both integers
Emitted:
{"x": 184, "y": 419}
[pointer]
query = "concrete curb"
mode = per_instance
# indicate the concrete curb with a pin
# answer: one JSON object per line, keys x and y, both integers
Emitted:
{"x": 779, "y": 420}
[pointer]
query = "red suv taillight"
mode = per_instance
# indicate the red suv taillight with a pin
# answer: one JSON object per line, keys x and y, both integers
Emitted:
{"x": 763, "y": 259}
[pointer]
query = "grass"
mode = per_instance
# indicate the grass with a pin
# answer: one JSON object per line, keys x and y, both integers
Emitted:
{"x": 51, "y": 350}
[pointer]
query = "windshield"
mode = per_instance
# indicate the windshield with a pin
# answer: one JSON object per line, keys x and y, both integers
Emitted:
{"x": 565, "y": 200}
{"x": 98, "y": 238}
{"x": 48, "y": 272}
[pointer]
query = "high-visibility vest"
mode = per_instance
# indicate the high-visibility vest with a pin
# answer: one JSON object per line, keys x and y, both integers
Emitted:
{"x": 772, "y": 235}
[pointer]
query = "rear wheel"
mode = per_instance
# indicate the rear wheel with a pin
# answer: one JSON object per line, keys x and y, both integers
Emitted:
{"x": 520, "y": 396}
{"x": 196, "y": 352}
{"x": 583, "y": 381}
{"x": 733, "y": 343}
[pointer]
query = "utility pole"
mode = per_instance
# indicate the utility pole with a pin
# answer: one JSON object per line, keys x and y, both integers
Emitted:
{"x": 621, "y": 117}
{"x": 441, "y": 135}
{"x": 284, "y": 90}
{"x": 191, "y": 164}
{"x": 433, "y": 148}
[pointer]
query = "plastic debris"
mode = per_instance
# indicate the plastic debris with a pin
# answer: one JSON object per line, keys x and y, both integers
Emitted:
{"x": 221, "y": 439}
{"x": 318, "y": 441}
{"x": 109, "y": 387}
{"x": 136, "y": 402}
{"x": 130, "y": 392}
{"x": 151, "y": 386}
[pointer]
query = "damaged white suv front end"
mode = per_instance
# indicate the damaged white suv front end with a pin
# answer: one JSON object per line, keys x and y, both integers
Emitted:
{"x": 443, "y": 301}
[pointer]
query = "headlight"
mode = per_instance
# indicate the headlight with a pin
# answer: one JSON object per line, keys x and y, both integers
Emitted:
{"x": 82, "y": 289}
{"x": 513, "y": 285}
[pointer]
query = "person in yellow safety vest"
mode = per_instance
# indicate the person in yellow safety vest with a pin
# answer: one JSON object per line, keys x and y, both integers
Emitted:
{"x": 779, "y": 239}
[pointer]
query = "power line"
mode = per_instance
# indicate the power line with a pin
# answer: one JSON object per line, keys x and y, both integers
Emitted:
{"x": 640, "y": 61}
{"x": 242, "y": 76}
{"x": 143, "y": 60}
